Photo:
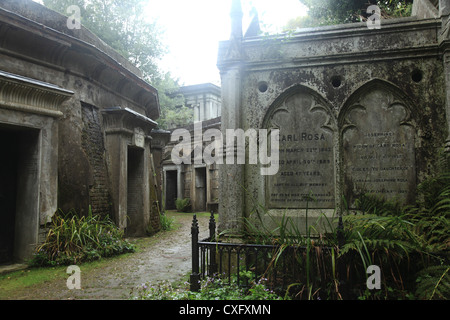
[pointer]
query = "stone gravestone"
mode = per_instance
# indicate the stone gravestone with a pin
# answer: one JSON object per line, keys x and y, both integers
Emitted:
{"x": 373, "y": 155}
{"x": 378, "y": 148}
{"x": 306, "y": 163}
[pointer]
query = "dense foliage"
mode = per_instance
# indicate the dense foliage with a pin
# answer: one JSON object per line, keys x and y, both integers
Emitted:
{"x": 410, "y": 243}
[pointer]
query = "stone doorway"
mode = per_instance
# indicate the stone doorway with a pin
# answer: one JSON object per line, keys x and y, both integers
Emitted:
{"x": 200, "y": 189}
{"x": 171, "y": 189}
{"x": 19, "y": 192}
{"x": 135, "y": 191}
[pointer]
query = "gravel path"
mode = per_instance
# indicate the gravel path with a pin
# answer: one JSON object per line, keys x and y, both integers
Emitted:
{"x": 165, "y": 256}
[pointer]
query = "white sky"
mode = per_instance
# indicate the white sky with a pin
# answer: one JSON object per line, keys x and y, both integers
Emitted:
{"x": 193, "y": 29}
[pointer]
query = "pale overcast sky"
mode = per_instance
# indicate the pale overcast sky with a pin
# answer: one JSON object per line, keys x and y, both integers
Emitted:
{"x": 195, "y": 27}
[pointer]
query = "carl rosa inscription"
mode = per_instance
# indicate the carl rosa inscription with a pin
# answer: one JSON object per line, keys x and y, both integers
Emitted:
{"x": 306, "y": 169}
{"x": 378, "y": 145}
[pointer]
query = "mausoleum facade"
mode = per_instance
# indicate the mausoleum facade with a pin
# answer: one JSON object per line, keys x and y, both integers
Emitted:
{"x": 359, "y": 110}
{"x": 194, "y": 179}
{"x": 75, "y": 128}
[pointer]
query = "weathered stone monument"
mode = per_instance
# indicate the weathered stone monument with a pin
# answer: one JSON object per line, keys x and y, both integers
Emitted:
{"x": 359, "y": 111}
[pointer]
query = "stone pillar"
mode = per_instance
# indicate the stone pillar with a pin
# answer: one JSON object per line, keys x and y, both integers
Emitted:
{"x": 128, "y": 139}
{"x": 444, "y": 12}
{"x": 231, "y": 188}
{"x": 180, "y": 182}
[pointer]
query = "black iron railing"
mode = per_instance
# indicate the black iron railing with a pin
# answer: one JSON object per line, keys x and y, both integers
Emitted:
{"x": 280, "y": 265}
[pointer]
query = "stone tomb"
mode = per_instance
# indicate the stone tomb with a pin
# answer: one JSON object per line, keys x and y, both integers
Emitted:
{"x": 368, "y": 149}
{"x": 360, "y": 111}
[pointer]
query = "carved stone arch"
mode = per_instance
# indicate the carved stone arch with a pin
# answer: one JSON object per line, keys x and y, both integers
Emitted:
{"x": 320, "y": 104}
{"x": 377, "y": 143}
{"x": 394, "y": 93}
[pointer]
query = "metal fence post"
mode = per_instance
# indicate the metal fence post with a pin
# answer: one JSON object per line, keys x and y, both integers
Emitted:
{"x": 195, "y": 275}
{"x": 343, "y": 285}
{"x": 212, "y": 251}
{"x": 340, "y": 232}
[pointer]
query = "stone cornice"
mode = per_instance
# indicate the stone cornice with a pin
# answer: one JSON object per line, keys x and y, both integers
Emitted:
{"x": 348, "y": 43}
{"x": 31, "y": 96}
{"x": 125, "y": 121}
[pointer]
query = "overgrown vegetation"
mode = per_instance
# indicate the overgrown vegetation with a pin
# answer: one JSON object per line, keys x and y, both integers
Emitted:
{"x": 72, "y": 239}
{"x": 410, "y": 244}
{"x": 167, "y": 223}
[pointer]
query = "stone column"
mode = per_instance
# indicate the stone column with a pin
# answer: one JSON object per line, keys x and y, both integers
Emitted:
{"x": 231, "y": 191}
{"x": 447, "y": 99}
{"x": 231, "y": 185}
{"x": 444, "y": 12}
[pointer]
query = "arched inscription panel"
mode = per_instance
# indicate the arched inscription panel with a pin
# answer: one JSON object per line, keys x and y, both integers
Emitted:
{"x": 378, "y": 147}
{"x": 306, "y": 176}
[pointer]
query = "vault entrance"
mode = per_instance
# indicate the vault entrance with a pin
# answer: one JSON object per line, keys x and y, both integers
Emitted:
{"x": 200, "y": 189}
{"x": 135, "y": 190}
{"x": 19, "y": 192}
{"x": 171, "y": 189}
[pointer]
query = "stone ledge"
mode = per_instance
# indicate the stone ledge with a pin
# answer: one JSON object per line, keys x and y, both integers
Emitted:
{"x": 12, "y": 268}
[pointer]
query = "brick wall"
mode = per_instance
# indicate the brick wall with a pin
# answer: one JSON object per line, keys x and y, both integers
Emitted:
{"x": 93, "y": 146}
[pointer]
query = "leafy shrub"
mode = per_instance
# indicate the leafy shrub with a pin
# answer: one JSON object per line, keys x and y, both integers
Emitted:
{"x": 434, "y": 283}
{"x": 212, "y": 288}
{"x": 183, "y": 205}
{"x": 72, "y": 239}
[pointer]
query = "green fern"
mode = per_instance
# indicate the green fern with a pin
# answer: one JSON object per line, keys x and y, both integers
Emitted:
{"x": 433, "y": 283}
{"x": 183, "y": 205}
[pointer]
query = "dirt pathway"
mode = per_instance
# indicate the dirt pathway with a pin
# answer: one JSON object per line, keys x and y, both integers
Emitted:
{"x": 165, "y": 256}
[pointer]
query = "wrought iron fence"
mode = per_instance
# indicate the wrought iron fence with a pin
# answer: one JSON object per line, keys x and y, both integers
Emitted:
{"x": 281, "y": 266}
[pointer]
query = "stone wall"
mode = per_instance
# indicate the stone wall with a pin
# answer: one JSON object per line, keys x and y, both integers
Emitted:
{"x": 94, "y": 148}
